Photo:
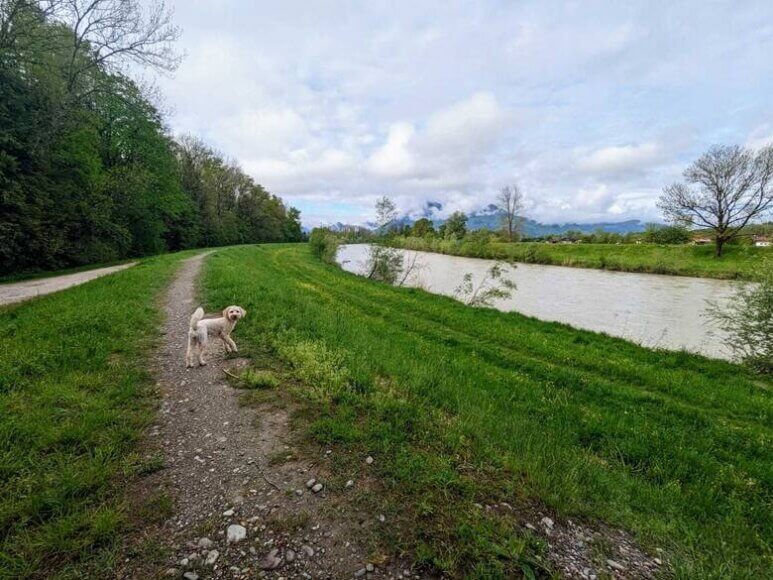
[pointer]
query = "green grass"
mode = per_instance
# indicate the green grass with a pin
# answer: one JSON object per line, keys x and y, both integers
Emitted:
{"x": 462, "y": 406}
{"x": 256, "y": 379}
{"x": 738, "y": 261}
{"x": 75, "y": 395}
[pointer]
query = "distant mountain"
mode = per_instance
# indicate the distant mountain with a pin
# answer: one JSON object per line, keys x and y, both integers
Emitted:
{"x": 490, "y": 217}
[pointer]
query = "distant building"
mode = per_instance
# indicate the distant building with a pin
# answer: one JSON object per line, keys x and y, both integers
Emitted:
{"x": 762, "y": 241}
{"x": 702, "y": 241}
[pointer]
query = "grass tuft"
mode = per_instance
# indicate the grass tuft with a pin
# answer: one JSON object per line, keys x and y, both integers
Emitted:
{"x": 257, "y": 379}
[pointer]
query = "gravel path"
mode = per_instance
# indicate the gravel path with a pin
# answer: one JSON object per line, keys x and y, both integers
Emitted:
{"x": 19, "y": 291}
{"x": 241, "y": 504}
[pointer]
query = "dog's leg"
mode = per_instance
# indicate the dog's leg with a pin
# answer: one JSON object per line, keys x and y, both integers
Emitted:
{"x": 202, "y": 346}
{"x": 230, "y": 342}
{"x": 189, "y": 352}
{"x": 225, "y": 342}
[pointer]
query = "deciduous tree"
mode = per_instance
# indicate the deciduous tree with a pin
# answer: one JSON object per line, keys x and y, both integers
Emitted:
{"x": 723, "y": 190}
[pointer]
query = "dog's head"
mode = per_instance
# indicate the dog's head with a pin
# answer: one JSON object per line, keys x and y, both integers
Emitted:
{"x": 234, "y": 313}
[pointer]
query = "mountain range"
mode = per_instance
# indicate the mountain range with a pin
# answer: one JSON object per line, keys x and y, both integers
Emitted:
{"x": 490, "y": 217}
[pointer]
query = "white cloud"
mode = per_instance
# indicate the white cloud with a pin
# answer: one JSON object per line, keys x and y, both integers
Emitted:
{"x": 394, "y": 158}
{"x": 622, "y": 158}
{"x": 592, "y": 106}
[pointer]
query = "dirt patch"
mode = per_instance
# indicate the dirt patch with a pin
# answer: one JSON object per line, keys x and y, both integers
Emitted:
{"x": 233, "y": 494}
{"x": 20, "y": 291}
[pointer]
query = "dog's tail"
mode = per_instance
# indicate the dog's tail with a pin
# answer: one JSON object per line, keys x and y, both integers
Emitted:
{"x": 196, "y": 317}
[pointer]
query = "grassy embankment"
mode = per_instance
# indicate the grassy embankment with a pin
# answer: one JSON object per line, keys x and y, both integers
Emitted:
{"x": 462, "y": 406}
{"x": 75, "y": 395}
{"x": 680, "y": 260}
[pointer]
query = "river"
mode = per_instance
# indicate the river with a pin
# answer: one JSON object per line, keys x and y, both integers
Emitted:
{"x": 652, "y": 310}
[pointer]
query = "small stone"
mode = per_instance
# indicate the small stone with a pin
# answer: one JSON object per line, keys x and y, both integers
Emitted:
{"x": 658, "y": 561}
{"x": 360, "y": 573}
{"x": 183, "y": 562}
{"x": 228, "y": 513}
{"x": 191, "y": 576}
{"x": 350, "y": 483}
{"x": 369, "y": 460}
{"x": 308, "y": 551}
{"x": 310, "y": 483}
{"x": 298, "y": 492}
{"x": 172, "y": 572}
{"x": 205, "y": 543}
{"x": 381, "y": 518}
{"x": 369, "y": 567}
{"x": 547, "y": 522}
{"x": 271, "y": 561}
{"x": 317, "y": 488}
{"x": 531, "y": 527}
{"x": 615, "y": 565}
{"x": 290, "y": 556}
{"x": 236, "y": 533}
{"x": 212, "y": 557}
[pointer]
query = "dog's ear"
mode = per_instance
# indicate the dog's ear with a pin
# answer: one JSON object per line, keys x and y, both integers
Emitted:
{"x": 225, "y": 312}
{"x": 244, "y": 312}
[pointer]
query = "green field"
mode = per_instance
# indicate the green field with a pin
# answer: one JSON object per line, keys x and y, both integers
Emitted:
{"x": 459, "y": 406}
{"x": 463, "y": 406}
{"x": 75, "y": 397}
{"x": 738, "y": 261}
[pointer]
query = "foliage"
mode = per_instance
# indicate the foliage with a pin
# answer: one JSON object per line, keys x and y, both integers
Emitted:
{"x": 725, "y": 189}
{"x": 462, "y": 405}
{"x": 660, "y": 234}
{"x": 384, "y": 263}
{"x": 324, "y": 244}
{"x": 748, "y": 320}
{"x": 88, "y": 172}
{"x": 741, "y": 261}
{"x": 491, "y": 287}
{"x": 422, "y": 228}
{"x": 455, "y": 227}
{"x": 386, "y": 214}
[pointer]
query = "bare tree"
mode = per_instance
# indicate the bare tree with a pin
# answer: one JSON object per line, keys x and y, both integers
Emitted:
{"x": 510, "y": 201}
{"x": 111, "y": 32}
{"x": 725, "y": 189}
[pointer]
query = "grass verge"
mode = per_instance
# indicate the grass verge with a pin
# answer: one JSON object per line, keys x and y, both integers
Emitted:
{"x": 460, "y": 406}
{"x": 738, "y": 262}
{"x": 75, "y": 395}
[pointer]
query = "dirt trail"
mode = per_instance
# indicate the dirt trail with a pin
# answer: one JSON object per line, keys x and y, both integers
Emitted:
{"x": 228, "y": 465}
{"x": 19, "y": 291}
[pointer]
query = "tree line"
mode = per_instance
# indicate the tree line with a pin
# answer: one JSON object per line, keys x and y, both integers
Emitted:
{"x": 88, "y": 171}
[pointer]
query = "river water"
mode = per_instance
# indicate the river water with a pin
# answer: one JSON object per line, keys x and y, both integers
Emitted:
{"x": 649, "y": 309}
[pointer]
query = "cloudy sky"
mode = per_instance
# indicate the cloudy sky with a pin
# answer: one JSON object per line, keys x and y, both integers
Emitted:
{"x": 590, "y": 106}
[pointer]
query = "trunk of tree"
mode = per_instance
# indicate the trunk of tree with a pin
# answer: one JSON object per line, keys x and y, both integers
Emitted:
{"x": 719, "y": 242}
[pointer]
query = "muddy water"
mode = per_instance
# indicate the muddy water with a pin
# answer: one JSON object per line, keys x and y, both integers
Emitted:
{"x": 651, "y": 310}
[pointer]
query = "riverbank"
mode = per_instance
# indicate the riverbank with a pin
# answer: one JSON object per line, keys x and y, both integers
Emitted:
{"x": 479, "y": 422}
{"x": 739, "y": 262}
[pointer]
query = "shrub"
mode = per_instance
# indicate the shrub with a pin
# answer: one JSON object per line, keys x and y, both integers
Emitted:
{"x": 323, "y": 371}
{"x": 748, "y": 320}
{"x": 324, "y": 244}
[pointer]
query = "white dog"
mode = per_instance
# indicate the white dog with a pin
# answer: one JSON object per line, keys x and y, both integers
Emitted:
{"x": 202, "y": 328}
